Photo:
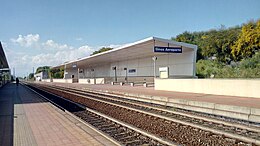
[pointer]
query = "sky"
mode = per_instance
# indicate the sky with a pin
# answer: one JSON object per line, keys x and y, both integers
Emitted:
{"x": 49, "y": 32}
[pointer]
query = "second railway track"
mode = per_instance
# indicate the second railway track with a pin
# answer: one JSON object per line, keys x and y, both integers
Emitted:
{"x": 180, "y": 128}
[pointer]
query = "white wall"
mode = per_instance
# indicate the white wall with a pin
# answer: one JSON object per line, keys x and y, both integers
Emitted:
{"x": 62, "y": 80}
{"x": 179, "y": 64}
{"x": 47, "y": 80}
{"x": 38, "y": 76}
{"x": 71, "y": 71}
{"x": 102, "y": 70}
{"x": 230, "y": 87}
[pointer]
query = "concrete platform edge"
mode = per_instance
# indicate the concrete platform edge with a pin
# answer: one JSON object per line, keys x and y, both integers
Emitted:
{"x": 237, "y": 112}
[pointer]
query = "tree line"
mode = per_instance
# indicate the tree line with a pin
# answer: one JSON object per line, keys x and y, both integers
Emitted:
{"x": 56, "y": 73}
{"x": 227, "y": 52}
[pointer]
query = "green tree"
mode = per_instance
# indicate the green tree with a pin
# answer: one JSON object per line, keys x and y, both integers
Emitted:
{"x": 215, "y": 42}
{"x": 31, "y": 76}
{"x": 236, "y": 50}
{"x": 186, "y": 37}
{"x": 218, "y": 43}
{"x": 57, "y": 73}
{"x": 248, "y": 42}
{"x": 42, "y": 68}
{"x": 192, "y": 38}
{"x": 103, "y": 49}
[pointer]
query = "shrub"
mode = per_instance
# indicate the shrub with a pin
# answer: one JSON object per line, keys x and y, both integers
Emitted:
{"x": 247, "y": 68}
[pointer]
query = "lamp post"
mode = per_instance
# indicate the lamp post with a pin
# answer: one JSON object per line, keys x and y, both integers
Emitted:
{"x": 114, "y": 68}
{"x": 125, "y": 74}
{"x": 154, "y": 70}
{"x": 92, "y": 73}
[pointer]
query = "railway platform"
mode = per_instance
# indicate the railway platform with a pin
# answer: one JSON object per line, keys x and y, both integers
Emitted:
{"x": 26, "y": 119}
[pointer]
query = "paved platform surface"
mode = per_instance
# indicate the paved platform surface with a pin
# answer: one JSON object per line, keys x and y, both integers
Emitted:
{"x": 28, "y": 120}
{"x": 219, "y": 99}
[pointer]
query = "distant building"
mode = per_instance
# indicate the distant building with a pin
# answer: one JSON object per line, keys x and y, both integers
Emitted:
{"x": 41, "y": 75}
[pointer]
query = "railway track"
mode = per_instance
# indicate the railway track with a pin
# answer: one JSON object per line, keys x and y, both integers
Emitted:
{"x": 121, "y": 133}
{"x": 175, "y": 126}
{"x": 161, "y": 109}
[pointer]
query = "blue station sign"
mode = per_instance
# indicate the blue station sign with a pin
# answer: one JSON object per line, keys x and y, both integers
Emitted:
{"x": 168, "y": 49}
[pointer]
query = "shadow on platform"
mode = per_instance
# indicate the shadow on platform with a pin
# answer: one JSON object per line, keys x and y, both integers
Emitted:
{"x": 7, "y": 115}
{"x": 11, "y": 95}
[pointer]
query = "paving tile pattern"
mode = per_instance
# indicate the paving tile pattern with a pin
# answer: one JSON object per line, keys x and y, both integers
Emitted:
{"x": 50, "y": 125}
{"x": 37, "y": 122}
{"x": 23, "y": 135}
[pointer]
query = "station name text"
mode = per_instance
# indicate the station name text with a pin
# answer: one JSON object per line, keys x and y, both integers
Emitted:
{"x": 168, "y": 49}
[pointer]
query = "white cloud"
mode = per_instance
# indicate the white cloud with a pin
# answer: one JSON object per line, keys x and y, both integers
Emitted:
{"x": 57, "y": 53}
{"x": 69, "y": 55}
{"x": 24, "y": 63}
{"x": 51, "y": 45}
{"x": 33, "y": 40}
{"x": 60, "y": 56}
{"x": 28, "y": 40}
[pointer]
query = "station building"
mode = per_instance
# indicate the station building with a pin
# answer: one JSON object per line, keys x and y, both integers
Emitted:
{"x": 139, "y": 61}
{"x": 5, "y": 74}
{"x": 173, "y": 70}
{"x": 41, "y": 75}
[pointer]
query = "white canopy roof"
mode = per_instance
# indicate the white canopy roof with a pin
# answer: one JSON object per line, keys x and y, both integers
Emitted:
{"x": 139, "y": 49}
